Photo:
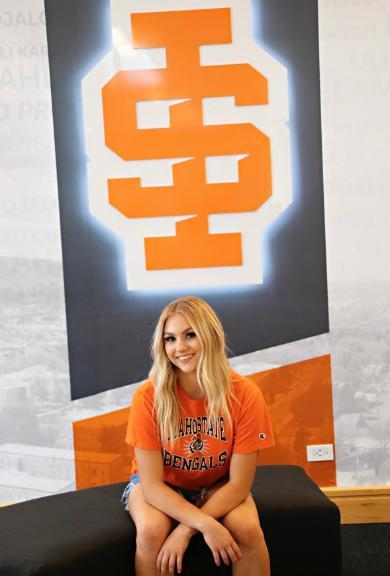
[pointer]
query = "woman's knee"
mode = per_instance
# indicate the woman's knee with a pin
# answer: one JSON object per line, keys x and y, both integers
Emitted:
{"x": 150, "y": 536}
{"x": 244, "y": 526}
{"x": 248, "y": 533}
{"x": 152, "y": 525}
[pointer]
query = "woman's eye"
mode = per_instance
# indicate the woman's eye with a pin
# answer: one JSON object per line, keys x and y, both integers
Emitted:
{"x": 191, "y": 334}
{"x": 169, "y": 339}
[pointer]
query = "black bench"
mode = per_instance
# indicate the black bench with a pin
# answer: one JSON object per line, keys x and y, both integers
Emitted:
{"x": 87, "y": 532}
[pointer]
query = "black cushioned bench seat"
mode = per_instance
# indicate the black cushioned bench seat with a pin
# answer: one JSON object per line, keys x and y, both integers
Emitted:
{"x": 87, "y": 532}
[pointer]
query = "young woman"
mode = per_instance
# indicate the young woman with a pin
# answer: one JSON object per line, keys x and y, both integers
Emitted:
{"x": 196, "y": 427}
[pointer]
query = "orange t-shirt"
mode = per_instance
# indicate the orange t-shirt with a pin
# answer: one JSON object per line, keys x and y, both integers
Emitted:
{"x": 202, "y": 452}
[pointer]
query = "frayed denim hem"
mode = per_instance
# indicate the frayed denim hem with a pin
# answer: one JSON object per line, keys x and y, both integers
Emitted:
{"x": 134, "y": 480}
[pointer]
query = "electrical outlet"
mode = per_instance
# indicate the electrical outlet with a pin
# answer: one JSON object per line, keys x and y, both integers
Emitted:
{"x": 319, "y": 452}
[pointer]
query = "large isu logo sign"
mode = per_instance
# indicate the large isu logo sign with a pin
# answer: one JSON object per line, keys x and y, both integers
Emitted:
{"x": 185, "y": 123}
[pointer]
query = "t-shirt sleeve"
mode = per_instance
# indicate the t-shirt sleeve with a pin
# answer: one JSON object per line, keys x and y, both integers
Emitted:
{"x": 253, "y": 430}
{"x": 142, "y": 428}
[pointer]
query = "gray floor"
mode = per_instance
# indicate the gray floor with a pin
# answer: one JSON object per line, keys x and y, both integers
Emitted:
{"x": 366, "y": 549}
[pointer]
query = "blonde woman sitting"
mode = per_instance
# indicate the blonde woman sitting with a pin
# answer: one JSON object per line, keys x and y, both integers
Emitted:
{"x": 196, "y": 427}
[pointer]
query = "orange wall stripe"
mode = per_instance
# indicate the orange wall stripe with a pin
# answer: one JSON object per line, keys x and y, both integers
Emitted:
{"x": 299, "y": 397}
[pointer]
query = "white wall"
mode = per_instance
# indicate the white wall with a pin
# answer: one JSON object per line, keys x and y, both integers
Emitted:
{"x": 355, "y": 93}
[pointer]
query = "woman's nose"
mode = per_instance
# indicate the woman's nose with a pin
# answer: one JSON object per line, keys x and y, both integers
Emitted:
{"x": 181, "y": 344}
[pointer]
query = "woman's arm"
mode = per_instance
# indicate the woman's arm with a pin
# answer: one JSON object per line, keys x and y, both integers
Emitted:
{"x": 224, "y": 499}
{"x": 236, "y": 490}
{"x": 161, "y": 496}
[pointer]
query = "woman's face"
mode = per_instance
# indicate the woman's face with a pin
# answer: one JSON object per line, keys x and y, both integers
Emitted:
{"x": 182, "y": 345}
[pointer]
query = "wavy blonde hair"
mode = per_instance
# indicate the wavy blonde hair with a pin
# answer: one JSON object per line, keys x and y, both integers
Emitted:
{"x": 213, "y": 372}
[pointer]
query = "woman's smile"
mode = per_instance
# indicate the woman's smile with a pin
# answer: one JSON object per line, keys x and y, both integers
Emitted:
{"x": 185, "y": 358}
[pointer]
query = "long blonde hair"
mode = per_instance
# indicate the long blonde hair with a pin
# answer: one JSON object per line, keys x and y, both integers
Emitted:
{"x": 212, "y": 370}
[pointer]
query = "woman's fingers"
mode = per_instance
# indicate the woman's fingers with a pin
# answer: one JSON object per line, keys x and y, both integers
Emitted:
{"x": 167, "y": 563}
{"x": 158, "y": 562}
{"x": 179, "y": 562}
{"x": 235, "y": 551}
{"x": 162, "y": 561}
{"x": 229, "y": 554}
{"x": 225, "y": 557}
{"x": 216, "y": 557}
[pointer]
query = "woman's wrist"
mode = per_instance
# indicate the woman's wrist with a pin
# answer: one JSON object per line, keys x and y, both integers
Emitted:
{"x": 187, "y": 530}
{"x": 206, "y": 523}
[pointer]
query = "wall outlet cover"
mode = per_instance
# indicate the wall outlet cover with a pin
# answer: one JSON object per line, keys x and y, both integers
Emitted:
{"x": 320, "y": 452}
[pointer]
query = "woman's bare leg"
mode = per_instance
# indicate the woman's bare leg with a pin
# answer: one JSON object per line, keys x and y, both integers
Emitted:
{"x": 244, "y": 525}
{"x": 152, "y": 527}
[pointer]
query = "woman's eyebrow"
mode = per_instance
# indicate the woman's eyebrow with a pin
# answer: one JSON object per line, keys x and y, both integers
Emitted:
{"x": 184, "y": 332}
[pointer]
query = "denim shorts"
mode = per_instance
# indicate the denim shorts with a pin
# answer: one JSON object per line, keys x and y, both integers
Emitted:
{"x": 193, "y": 496}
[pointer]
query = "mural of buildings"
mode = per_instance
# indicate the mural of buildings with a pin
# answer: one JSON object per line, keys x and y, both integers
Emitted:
{"x": 16, "y": 487}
